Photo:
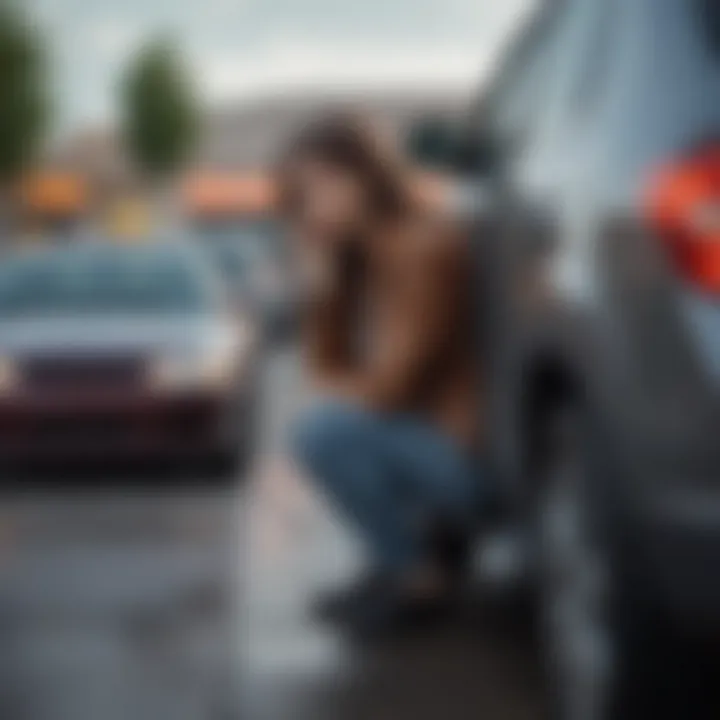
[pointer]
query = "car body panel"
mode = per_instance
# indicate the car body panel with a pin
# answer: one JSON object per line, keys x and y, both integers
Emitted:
{"x": 83, "y": 379}
{"x": 595, "y": 97}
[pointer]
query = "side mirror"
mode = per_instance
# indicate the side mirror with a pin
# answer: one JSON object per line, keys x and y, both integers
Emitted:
{"x": 440, "y": 144}
{"x": 432, "y": 143}
{"x": 475, "y": 154}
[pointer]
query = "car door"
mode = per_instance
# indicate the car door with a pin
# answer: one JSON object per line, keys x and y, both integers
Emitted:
{"x": 527, "y": 115}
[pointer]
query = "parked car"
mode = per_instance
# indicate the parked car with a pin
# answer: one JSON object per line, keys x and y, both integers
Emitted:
{"x": 597, "y": 147}
{"x": 252, "y": 261}
{"x": 112, "y": 351}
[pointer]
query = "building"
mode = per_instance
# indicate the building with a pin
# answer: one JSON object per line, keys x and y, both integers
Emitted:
{"x": 248, "y": 135}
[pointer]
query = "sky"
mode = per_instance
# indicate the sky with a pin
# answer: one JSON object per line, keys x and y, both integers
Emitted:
{"x": 240, "y": 49}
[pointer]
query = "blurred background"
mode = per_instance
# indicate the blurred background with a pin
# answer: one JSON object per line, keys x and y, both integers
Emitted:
{"x": 94, "y": 79}
{"x": 158, "y": 550}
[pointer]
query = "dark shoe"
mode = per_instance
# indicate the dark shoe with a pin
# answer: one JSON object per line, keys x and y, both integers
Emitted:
{"x": 451, "y": 549}
{"x": 390, "y": 611}
{"x": 338, "y": 605}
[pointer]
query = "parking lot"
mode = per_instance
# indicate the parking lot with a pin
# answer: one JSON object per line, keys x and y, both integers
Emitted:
{"x": 480, "y": 664}
{"x": 113, "y": 601}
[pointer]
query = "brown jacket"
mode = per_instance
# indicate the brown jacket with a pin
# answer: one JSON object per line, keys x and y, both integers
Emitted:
{"x": 406, "y": 344}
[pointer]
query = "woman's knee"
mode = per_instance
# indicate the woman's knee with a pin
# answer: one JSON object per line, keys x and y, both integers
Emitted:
{"x": 328, "y": 430}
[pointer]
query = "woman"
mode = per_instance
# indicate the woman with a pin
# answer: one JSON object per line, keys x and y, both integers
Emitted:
{"x": 388, "y": 342}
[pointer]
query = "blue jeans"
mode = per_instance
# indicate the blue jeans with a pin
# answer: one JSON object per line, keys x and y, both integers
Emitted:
{"x": 386, "y": 473}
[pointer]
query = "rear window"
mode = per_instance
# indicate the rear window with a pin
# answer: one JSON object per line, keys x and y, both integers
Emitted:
{"x": 708, "y": 12}
{"x": 101, "y": 283}
{"x": 239, "y": 250}
{"x": 231, "y": 261}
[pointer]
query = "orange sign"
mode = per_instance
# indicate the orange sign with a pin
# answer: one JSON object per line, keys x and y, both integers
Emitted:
{"x": 55, "y": 193}
{"x": 228, "y": 194}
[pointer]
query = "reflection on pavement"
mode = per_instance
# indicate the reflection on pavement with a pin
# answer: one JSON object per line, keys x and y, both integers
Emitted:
{"x": 479, "y": 665}
{"x": 121, "y": 606}
{"x": 117, "y": 606}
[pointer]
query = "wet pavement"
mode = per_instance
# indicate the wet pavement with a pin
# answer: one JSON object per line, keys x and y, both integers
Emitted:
{"x": 116, "y": 607}
{"x": 479, "y": 664}
{"x": 188, "y": 604}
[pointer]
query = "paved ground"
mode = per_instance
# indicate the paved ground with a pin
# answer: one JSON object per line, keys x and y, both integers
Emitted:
{"x": 115, "y": 606}
{"x": 480, "y": 665}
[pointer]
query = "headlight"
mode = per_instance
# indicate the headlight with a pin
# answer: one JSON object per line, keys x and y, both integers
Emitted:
{"x": 212, "y": 368}
{"x": 9, "y": 376}
{"x": 214, "y": 371}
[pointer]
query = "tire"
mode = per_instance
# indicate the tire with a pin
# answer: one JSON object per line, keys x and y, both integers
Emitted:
{"x": 603, "y": 641}
{"x": 225, "y": 465}
{"x": 232, "y": 461}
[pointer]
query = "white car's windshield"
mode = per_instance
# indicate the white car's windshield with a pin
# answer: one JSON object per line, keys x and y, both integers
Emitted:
{"x": 101, "y": 280}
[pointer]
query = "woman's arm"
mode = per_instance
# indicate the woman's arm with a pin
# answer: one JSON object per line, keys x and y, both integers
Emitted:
{"x": 420, "y": 319}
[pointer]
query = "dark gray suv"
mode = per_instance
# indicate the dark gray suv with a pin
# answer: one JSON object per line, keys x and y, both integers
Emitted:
{"x": 597, "y": 147}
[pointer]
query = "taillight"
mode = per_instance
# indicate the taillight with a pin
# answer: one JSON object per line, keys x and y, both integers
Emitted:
{"x": 684, "y": 206}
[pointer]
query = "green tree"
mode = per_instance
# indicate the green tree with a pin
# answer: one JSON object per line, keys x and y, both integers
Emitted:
{"x": 24, "y": 95}
{"x": 160, "y": 112}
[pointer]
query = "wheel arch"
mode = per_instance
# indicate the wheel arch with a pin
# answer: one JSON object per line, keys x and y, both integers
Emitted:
{"x": 549, "y": 382}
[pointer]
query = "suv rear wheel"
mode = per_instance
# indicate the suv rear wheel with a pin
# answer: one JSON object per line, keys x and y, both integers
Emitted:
{"x": 601, "y": 645}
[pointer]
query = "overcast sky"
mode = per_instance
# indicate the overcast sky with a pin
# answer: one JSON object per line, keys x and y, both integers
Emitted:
{"x": 242, "y": 48}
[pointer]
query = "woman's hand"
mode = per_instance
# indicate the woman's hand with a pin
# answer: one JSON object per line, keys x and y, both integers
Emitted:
{"x": 316, "y": 272}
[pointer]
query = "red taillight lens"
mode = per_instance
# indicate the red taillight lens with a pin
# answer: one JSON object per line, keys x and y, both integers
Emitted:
{"x": 684, "y": 206}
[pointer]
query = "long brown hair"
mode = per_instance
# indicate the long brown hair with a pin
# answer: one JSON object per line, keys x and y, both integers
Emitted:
{"x": 345, "y": 142}
{"x": 348, "y": 143}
